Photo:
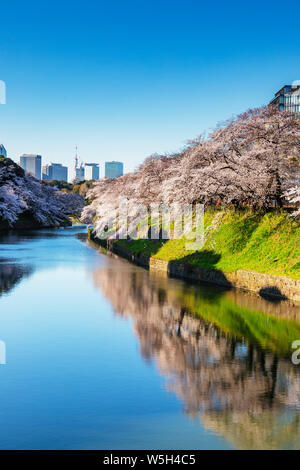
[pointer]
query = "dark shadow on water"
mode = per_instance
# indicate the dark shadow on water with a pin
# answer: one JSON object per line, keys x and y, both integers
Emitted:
{"x": 272, "y": 293}
{"x": 200, "y": 268}
{"x": 15, "y": 236}
{"x": 82, "y": 236}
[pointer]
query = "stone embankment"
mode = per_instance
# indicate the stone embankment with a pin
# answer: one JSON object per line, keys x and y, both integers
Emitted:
{"x": 266, "y": 285}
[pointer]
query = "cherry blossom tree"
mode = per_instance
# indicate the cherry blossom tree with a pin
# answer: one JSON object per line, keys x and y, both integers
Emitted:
{"x": 71, "y": 203}
{"x": 293, "y": 196}
{"x": 22, "y": 193}
{"x": 249, "y": 160}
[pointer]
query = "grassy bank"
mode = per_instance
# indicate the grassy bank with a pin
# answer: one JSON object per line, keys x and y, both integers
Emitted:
{"x": 268, "y": 331}
{"x": 266, "y": 243}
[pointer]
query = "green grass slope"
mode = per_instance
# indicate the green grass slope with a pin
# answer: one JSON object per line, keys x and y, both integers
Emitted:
{"x": 270, "y": 332}
{"x": 265, "y": 243}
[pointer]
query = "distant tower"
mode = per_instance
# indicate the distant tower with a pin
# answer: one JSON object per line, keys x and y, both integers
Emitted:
{"x": 79, "y": 170}
{"x": 76, "y": 160}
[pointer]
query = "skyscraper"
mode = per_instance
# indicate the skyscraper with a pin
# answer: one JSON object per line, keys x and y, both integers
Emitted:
{"x": 113, "y": 169}
{"x": 79, "y": 176}
{"x": 55, "y": 171}
{"x": 32, "y": 164}
{"x": 91, "y": 171}
{"x": 3, "y": 151}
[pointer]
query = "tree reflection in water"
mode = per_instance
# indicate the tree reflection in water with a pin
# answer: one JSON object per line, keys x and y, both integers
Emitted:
{"x": 222, "y": 352}
{"x": 11, "y": 274}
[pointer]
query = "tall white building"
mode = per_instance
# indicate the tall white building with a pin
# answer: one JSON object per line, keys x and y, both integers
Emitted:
{"x": 32, "y": 164}
{"x": 91, "y": 171}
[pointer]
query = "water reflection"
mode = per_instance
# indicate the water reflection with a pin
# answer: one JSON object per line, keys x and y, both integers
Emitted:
{"x": 226, "y": 354}
{"x": 18, "y": 260}
{"x": 11, "y": 274}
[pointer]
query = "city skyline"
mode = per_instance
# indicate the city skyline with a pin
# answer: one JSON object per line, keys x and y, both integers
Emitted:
{"x": 122, "y": 91}
{"x": 102, "y": 163}
{"x": 79, "y": 173}
{"x": 57, "y": 171}
{"x": 287, "y": 97}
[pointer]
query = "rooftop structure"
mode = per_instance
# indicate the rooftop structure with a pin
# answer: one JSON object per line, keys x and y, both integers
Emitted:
{"x": 288, "y": 98}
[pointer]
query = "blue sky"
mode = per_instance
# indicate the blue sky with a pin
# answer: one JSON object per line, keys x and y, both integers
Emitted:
{"x": 125, "y": 79}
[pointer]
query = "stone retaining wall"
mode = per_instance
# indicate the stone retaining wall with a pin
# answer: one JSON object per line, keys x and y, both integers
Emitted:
{"x": 266, "y": 285}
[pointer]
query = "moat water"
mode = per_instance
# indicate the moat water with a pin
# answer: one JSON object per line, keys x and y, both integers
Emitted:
{"x": 97, "y": 353}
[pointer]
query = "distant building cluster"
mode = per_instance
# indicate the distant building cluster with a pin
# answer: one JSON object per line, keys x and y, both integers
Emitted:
{"x": 287, "y": 98}
{"x": 55, "y": 171}
{"x": 32, "y": 164}
{"x": 87, "y": 172}
{"x": 91, "y": 171}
